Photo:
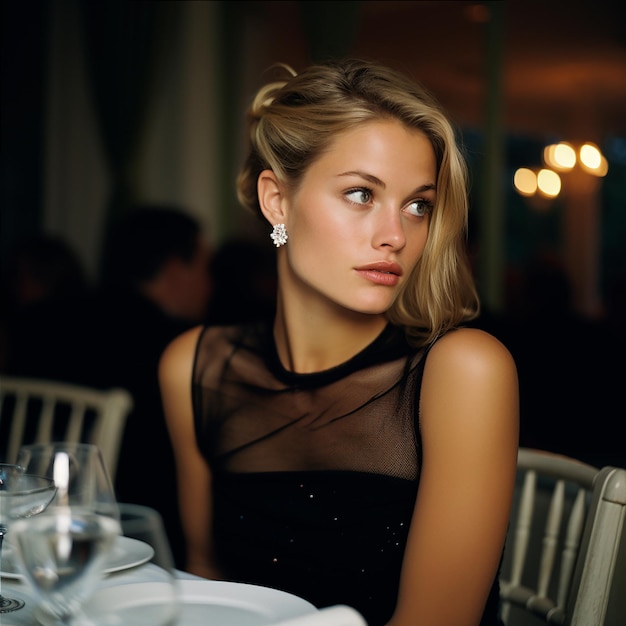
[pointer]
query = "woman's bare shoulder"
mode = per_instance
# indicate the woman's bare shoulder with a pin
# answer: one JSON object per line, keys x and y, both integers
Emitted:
{"x": 469, "y": 402}
{"x": 470, "y": 371}
{"x": 180, "y": 351}
{"x": 470, "y": 348}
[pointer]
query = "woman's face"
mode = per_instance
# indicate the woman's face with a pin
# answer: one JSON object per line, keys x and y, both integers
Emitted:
{"x": 358, "y": 222}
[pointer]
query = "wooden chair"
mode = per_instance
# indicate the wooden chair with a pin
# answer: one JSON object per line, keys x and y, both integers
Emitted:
{"x": 565, "y": 558}
{"x": 40, "y": 411}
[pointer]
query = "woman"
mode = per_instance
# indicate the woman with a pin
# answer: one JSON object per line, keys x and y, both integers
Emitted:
{"x": 361, "y": 448}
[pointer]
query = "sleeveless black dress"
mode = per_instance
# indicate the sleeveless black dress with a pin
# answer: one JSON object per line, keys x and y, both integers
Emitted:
{"x": 314, "y": 475}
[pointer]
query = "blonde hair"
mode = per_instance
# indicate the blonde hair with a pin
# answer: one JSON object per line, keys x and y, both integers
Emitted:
{"x": 292, "y": 122}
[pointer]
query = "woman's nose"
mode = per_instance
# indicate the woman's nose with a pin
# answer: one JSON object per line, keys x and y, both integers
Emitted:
{"x": 389, "y": 229}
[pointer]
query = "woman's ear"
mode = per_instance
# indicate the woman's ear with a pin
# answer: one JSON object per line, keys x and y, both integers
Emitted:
{"x": 271, "y": 197}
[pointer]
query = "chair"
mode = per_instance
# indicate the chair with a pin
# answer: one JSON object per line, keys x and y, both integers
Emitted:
{"x": 565, "y": 557}
{"x": 39, "y": 411}
{"x": 338, "y": 615}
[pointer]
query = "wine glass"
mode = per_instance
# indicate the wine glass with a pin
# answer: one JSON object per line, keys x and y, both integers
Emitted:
{"x": 21, "y": 496}
{"x": 144, "y": 595}
{"x": 61, "y": 553}
{"x": 78, "y": 471}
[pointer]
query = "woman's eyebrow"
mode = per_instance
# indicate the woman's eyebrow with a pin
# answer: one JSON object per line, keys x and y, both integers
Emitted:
{"x": 376, "y": 181}
{"x": 368, "y": 177}
{"x": 427, "y": 187}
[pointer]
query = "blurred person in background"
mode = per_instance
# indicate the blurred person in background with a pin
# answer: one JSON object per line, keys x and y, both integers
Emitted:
{"x": 155, "y": 284}
{"x": 48, "y": 312}
{"x": 243, "y": 277}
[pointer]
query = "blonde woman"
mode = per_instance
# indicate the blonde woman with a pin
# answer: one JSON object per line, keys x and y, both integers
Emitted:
{"x": 360, "y": 449}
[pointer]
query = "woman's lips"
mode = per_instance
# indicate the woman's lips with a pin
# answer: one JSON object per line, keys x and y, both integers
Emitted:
{"x": 382, "y": 273}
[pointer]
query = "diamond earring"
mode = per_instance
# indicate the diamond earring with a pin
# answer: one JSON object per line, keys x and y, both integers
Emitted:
{"x": 279, "y": 235}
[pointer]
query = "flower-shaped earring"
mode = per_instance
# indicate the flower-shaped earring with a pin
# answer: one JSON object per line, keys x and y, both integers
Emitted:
{"x": 279, "y": 235}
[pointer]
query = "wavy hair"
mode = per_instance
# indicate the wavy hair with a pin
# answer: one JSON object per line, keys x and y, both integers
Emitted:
{"x": 294, "y": 120}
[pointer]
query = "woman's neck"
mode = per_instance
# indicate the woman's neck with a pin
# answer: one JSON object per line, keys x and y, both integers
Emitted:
{"x": 307, "y": 342}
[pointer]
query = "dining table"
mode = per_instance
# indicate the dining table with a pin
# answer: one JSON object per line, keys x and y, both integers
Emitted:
{"x": 131, "y": 582}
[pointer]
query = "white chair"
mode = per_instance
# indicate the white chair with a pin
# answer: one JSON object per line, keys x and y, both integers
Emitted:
{"x": 40, "y": 411}
{"x": 338, "y": 615}
{"x": 565, "y": 558}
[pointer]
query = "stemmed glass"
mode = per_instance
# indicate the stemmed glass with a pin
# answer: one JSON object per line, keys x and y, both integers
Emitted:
{"x": 62, "y": 552}
{"x": 22, "y": 495}
{"x": 151, "y": 598}
{"x": 79, "y": 472}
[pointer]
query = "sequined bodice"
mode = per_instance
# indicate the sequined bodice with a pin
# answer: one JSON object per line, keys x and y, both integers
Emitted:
{"x": 315, "y": 475}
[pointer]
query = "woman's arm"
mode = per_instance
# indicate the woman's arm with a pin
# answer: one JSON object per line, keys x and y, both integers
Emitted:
{"x": 469, "y": 418}
{"x": 193, "y": 474}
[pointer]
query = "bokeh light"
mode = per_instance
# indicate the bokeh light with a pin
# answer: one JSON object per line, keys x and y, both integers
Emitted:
{"x": 525, "y": 181}
{"x": 549, "y": 183}
{"x": 560, "y": 156}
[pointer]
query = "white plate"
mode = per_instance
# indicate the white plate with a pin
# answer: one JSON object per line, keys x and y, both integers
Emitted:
{"x": 202, "y": 602}
{"x": 126, "y": 553}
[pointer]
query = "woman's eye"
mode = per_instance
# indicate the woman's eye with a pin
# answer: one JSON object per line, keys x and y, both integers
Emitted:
{"x": 359, "y": 196}
{"x": 419, "y": 208}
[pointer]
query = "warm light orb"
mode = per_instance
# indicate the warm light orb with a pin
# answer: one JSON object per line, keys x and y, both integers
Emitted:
{"x": 548, "y": 155}
{"x": 564, "y": 156}
{"x": 560, "y": 156}
{"x": 548, "y": 183}
{"x": 590, "y": 156}
{"x": 603, "y": 169}
{"x": 525, "y": 181}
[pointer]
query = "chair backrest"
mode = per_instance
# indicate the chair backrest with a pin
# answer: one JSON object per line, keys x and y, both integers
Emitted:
{"x": 600, "y": 576}
{"x": 40, "y": 411}
{"x": 565, "y": 558}
{"x": 338, "y": 615}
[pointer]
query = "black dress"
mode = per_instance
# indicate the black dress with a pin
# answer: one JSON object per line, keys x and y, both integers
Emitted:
{"x": 314, "y": 475}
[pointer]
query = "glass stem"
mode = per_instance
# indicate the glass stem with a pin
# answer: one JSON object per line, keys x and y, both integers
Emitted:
{"x": 3, "y": 530}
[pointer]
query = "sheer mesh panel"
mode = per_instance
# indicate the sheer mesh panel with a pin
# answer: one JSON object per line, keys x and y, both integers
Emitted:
{"x": 254, "y": 416}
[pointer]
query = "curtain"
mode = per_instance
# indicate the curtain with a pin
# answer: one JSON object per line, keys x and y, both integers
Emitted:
{"x": 119, "y": 43}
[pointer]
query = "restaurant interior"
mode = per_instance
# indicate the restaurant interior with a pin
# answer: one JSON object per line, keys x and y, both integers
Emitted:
{"x": 110, "y": 104}
{"x": 173, "y": 79}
